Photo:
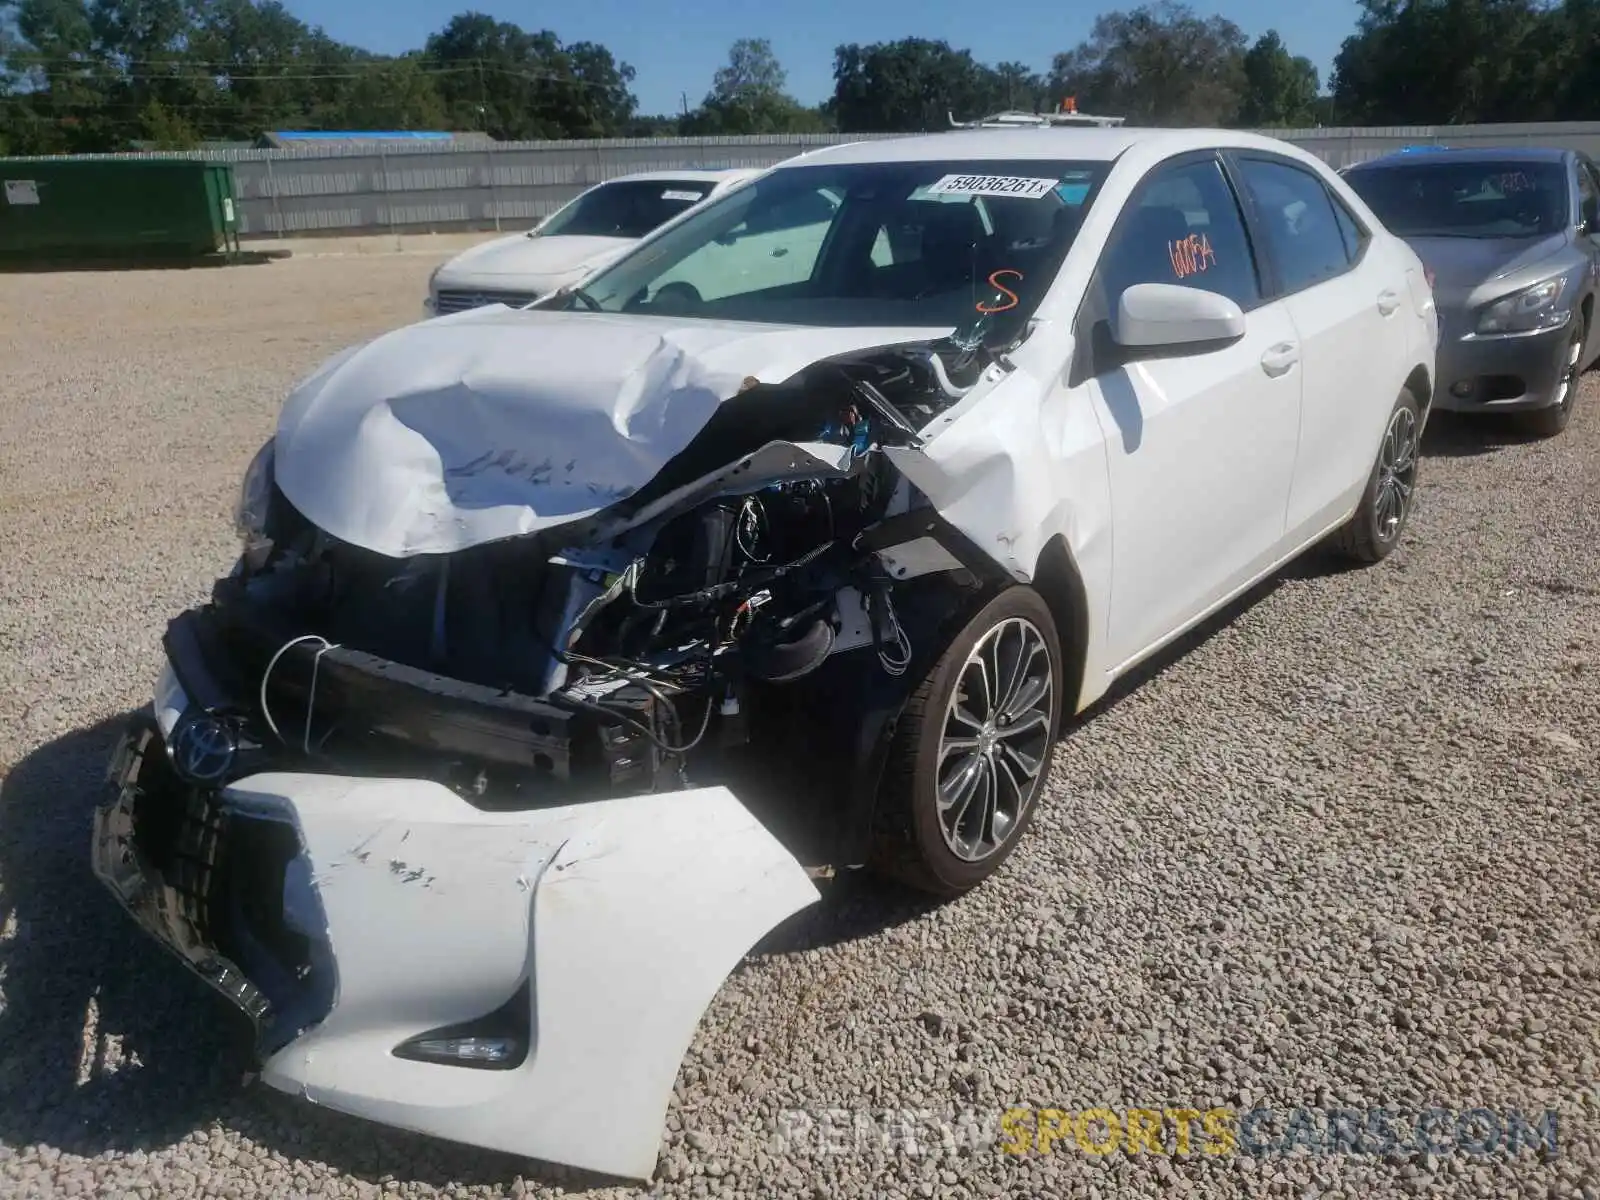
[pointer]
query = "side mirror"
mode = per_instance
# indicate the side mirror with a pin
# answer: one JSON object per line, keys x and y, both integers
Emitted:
{"x": 1156, "y": 316}
{"x": 1589, "y": 221}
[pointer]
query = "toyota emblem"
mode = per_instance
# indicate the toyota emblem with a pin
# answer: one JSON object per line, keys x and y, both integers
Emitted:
{"x": 203, "y": 749}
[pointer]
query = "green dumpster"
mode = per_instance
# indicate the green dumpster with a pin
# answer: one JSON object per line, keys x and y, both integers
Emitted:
{"x": 115, "y": 208}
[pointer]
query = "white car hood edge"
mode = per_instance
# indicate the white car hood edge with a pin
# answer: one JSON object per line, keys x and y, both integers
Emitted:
{"x": 523, "y": 263}
{"x": 492, "y": 423}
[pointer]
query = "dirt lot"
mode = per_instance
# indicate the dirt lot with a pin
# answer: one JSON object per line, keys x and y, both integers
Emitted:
{"x": 1339, "y": 852}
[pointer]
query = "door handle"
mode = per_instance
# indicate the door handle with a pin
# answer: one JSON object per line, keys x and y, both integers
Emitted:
{"x": 1388, "y": 302}
{"x": 1280, "y": 359}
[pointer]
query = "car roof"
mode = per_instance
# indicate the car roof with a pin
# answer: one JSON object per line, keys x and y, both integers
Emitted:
{"x": 1467, "y": 155}
{"x": 685, "y": 176}
{"x": 1093, "y": 144}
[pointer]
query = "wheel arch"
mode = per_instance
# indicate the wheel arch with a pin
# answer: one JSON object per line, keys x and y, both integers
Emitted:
{"x": 1420, "y": 384}
{"x": 1060, "y": 584}
{"x": 1057, "y": 581}
{"x": 1587, "y": 309}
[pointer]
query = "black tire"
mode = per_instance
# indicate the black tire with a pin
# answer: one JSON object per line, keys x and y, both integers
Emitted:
{"x": 1551, "y": 420}
{"x": 1373, "y": 531}
{"x": 909, "y": 842}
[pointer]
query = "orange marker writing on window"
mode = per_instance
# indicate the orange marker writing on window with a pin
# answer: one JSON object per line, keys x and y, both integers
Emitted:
{"x": 1191, "y": 255}
{"x": 984, "y": 306}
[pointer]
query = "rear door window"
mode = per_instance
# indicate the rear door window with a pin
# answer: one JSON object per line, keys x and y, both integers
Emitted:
{"x": 1299, "y": 222}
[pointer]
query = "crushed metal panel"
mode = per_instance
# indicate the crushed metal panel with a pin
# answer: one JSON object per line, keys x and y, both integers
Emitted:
{"x": 1014, "y": 464}
{"x": 1020, "y": 461}
{"x": 916, "y": 558}
{"x": 773, "y": 463}
{"x": 628, "y": 914}
{"x": 490, "y": 424}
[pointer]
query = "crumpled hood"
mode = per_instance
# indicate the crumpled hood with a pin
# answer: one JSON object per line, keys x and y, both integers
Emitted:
{"x": 1463, "y": 265}
{"x": 494, "y": 423}
{"x": 534, "y": 257}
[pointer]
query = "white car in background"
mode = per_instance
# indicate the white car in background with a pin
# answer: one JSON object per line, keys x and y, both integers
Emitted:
{"x": 863, "y": 478}
{"x": 586, "y": 233}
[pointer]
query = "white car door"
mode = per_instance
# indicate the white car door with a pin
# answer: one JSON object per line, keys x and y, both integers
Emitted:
{"x": 1200, "y": 443}
{"x": 1347, "y": 306}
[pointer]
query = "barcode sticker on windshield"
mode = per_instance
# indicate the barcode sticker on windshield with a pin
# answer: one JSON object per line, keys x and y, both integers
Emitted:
{"x": 994, "y": 185}
{"x": 674, "y": 195}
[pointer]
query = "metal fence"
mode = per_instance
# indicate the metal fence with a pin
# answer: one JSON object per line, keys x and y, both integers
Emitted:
{"x": 361, "y": 188}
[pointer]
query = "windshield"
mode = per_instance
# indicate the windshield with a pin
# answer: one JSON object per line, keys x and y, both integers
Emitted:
{"x": 928, "y": 244}
{"x": 1467, "y": 199}
{"x": 629, "y": 209}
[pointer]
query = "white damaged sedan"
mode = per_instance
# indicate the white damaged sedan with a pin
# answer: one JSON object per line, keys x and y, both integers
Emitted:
{"x": 564, "y": 640}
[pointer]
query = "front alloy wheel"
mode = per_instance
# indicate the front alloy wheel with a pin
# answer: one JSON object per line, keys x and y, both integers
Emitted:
{"x": 972, "y": 749}
{"x": 996, "y": 739}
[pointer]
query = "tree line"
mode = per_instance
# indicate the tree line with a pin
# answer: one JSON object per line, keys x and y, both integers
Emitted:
{"x": 95, "y": 75}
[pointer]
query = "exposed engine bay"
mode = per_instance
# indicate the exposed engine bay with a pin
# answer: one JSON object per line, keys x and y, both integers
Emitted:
{"x": 637, "y": 650}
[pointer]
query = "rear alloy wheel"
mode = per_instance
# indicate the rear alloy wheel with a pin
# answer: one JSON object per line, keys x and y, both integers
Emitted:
{"x": 1547, "y": 422}
{"x": 973, "y": 749}
{"x": 1374, "y": 530}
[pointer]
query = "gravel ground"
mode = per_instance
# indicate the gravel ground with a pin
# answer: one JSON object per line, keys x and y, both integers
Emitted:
{"x": 1341, "y": 851}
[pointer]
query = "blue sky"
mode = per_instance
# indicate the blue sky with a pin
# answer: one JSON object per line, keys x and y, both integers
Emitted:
{"x": 676, "y": 46}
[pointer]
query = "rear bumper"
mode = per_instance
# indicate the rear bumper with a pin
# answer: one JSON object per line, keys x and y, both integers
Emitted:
{"x": 349, "y": 917}
{"x": 1501, "y": 374}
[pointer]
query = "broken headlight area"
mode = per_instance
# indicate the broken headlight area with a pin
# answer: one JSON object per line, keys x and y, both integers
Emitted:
{"x": 252, "y": 511}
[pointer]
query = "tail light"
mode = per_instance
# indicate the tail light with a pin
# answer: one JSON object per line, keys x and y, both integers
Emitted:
{"x": 1427, "y": 273}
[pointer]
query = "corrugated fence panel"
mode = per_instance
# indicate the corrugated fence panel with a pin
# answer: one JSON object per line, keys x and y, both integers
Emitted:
{"x": 355, "y": 187}
{"x": 432, "y": 188}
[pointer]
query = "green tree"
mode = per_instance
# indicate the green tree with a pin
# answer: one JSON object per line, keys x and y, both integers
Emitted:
{"x": 498, "y": 77}
{"x": 912, "y": 84}
{"x": 104, "y": 73}
{"x": 598, "y": 102}
{"x": 1279, "y": 89}
{"x": 1160, "y": 64}
{"x": 275, "y": 72}
{"x": 395, "y": 94}
{"x": 101, "y": 74}
{"x": 163, "y": 129}
{"x": 747, "y": 97}
{"x": 752, "y": 72}
{"x": 1017, "y": 87}
{"x": 1577, "y": 27}
{"x": 64, "y": 85}
{"x": 658, "y": 126}
{"x": 1463, "y": 61}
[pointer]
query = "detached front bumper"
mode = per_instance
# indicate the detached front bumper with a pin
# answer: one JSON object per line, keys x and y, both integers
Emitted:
{"x": 1499, "y": 374}
{"x": 521, "y": 981}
